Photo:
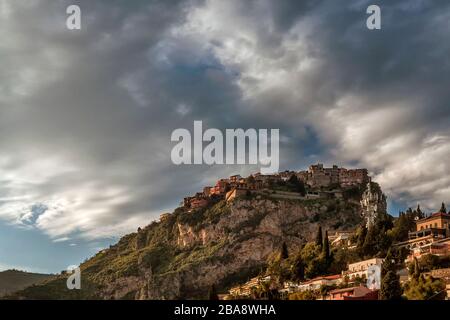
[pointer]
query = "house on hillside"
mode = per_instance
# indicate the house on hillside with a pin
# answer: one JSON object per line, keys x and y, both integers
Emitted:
{"x": 353, "y": 293}
{"x": 360, "y": 269}
{"x": 438, "y": 225}
{"x": 245, "y": 290}
{"x": 316, "y": 283}
{"x": 340, "y": 238}
{"x": 432, "y": 236}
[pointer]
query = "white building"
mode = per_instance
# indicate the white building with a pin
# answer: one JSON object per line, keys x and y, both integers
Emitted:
{"x": 359, "y": 269}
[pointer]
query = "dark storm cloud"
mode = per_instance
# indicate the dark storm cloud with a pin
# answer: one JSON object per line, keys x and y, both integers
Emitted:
{"x": 375, "y": 98}
{"x": 86, "y": 116}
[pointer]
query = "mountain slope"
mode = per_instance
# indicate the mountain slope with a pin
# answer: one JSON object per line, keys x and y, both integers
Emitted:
{"x": 185, "y": 253}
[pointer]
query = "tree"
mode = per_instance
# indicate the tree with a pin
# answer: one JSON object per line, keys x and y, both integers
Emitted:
{"x": 311, "y": 257}
{"x": 360, "y": 238}
{"x": 369, "y": 247}
{"x": 390, "y": 287}
{"x": 341, "y": 257}
{"x": 416, "y": 273}
{"x": 403, "y": 225}
{"x": 212, "y": 294}
{"x": 305, "y": 295}
{"x": 419, "y": 212}
{"x": 293, "y": 180}
{"x": 284, "y": 254}
{"x": 278, "y": 268}
{"x": 425, "y": 288}
{"x": 378, "y": 239}
{"x": 325, "y": 289}
{"x": 297, "y": 184}
{"x": 389, "y": 264}
{"x": 443, "y": 208}
{"x": 326, "y": 249}
{"x": 298, "y": 268}
{"x": 319, "y": 237}
{"x": 430, "y": 262}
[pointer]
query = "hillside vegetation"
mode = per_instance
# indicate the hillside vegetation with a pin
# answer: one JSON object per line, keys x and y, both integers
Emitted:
{"x": 187, "y": 252}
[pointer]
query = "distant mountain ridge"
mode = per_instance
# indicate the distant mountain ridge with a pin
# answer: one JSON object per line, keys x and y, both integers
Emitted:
{"x": 15, "y": 280}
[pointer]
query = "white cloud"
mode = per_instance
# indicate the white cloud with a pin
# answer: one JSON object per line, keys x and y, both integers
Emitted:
{"x": 86, "y": 118}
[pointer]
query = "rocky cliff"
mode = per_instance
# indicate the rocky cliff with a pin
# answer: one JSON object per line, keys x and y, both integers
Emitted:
{"x": 373, "y": 201}
{"x": 185, "y": 253}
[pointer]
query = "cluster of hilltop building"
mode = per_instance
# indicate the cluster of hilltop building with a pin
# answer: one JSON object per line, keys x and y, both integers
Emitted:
{"x": 316, "y": 177}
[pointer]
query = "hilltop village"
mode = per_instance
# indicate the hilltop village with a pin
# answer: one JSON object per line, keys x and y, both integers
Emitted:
{"x": 315, "y": 182}
{"x": 318, "y": 182}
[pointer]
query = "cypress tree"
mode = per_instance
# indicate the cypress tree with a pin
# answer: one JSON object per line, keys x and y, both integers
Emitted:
{"x": 388, "y": 264}
{"x": 212, "y": 294}
{"x": 298, "y": 268}
{"x": 361, "y": 237}
{"x": 390, "y": 287}
{"x": 443, "y": 208}
{"x": 326, "y": 248}
{"x": 284, "y": 251}
{"x": 419, "y": 212}
{"x": 370, "y": 246}
{"x": 319, "y": 237}
{"x": 416, "y": 273}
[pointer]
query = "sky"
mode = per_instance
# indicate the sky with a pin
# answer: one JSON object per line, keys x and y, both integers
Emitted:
{"x": 86, "y": 115}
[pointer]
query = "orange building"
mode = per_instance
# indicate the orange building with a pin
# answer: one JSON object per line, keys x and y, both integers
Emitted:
{"x": 437, "y": 225}
{"x": 221, "y": 187}
{"x": 437, "y": 220}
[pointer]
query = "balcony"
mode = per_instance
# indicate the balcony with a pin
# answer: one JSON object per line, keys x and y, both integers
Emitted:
{"x": 435, "y": 232}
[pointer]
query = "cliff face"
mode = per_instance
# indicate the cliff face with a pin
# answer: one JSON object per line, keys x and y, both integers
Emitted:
{"x": 222, "y": 245}
{"x": 185, "y": 253}
{"x": 373, "y": 202}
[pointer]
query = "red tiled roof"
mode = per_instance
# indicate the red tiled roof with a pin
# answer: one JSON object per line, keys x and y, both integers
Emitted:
{"x": 342, "y": 290}
{"x": 440, "y": 214}
{"x": 333, "y": 277}
{"x": 373, "y": 295}
{"x": 361, "y": 290}
{"x": 434, "y": 215}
